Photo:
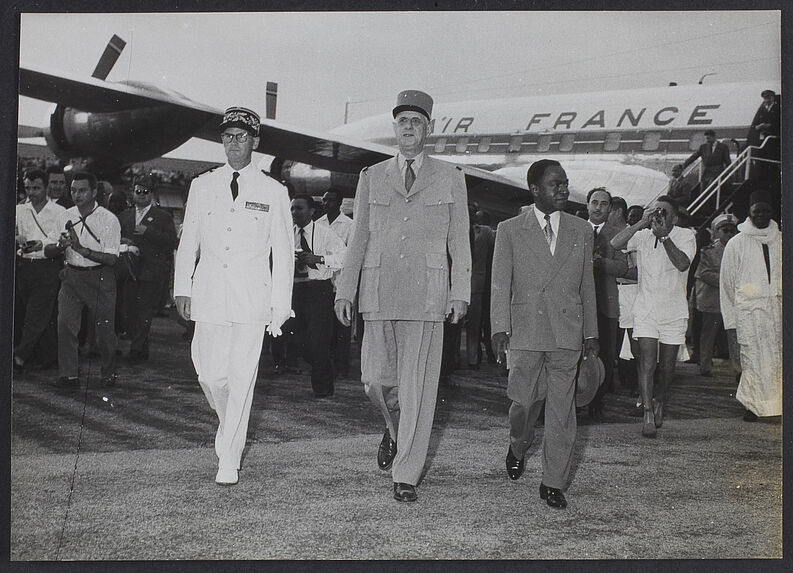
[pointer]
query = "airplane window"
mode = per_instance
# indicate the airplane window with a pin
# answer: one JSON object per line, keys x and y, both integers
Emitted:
{"x": 652, "y": 141}
{"x": 612, "y": 142}
{"x": 484, "y": 145}
{"x": 462, "y": 145}
{"x": 514, "y": 143}
{"x": 544, "y": 142}
{"x": 440, "y": 145}
{"x": 566, "y": 143}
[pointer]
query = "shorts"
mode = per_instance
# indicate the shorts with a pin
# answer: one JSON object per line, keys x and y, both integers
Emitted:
{"x": 669, "y": 332}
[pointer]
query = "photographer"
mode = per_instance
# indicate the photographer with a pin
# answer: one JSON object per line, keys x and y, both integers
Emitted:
{"x": 660, "y": 312}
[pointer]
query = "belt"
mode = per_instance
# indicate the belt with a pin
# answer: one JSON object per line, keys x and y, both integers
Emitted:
{"x": 76, "y": 268}
{"x": 25, "y": 261}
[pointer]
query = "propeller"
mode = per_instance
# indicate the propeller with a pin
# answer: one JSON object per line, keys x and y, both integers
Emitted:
{"x": 269, "y": 103}
{"x": 112, "y": 51}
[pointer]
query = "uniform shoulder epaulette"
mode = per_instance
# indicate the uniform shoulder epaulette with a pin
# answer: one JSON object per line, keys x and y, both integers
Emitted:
{"x": 271, "y": 176}
{"x": 210, "y": 170}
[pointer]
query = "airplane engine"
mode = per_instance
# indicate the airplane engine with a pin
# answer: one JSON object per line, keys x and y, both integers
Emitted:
{"x": 120, "y": 137}
{"x": 302, "y": 178}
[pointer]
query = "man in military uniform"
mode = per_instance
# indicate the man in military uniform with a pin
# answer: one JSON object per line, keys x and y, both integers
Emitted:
{"x": 235, "y": 218}
{"x": 410, "y": 248}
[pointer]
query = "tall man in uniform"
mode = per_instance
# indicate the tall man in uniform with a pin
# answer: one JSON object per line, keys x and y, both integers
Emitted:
{"x": 151, "y": 230}
{"x": 410, "y": 248}
{"x": 236, "y": 217}
{"x": 543, "y": 311}
{"x": 37, "y": 281}
{"x": 89, "y": 240}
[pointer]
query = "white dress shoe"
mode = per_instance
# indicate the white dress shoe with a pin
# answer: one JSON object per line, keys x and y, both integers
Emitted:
{"x": 226, "y": 477}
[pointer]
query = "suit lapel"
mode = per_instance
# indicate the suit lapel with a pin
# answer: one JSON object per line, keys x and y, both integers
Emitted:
{"x": 395, "y": 177}
{"x": 535, "y": 237}
{"x": 424, "y": 177}
{"x": 564, "y": 246}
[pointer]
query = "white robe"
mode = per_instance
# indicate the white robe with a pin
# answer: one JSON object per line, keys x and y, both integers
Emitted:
{"x": 752, "y": 305}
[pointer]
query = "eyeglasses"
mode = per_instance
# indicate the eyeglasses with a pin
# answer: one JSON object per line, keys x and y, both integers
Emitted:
{"x": 141, "y": 191}
{"x": 241, "y": 137}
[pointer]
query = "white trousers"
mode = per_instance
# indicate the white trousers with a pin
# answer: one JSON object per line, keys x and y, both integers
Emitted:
{"x": 226, "y": 358}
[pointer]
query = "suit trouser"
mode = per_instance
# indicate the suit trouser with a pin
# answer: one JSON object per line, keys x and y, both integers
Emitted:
{"x": 400, "y": 365}
{"x": 607, "y": 338}
{"x": 340, "y": 347}
{"x": 534, "y": 377}
{"x": 142, "y": 299}
{"x": 96, "y": 291}
{"x": 37, "y": 285}
{"x": 712, "y": 324}
{"x": 473, "y": 327}
{"x": 313, "y": 305}
{"x": 226, "y": 358}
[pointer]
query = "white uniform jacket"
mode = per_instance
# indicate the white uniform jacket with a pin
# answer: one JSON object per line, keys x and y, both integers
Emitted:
{"x": 232, "y": 241}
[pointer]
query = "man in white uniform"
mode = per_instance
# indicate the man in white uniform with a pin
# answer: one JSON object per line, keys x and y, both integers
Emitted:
{"x": 236, "y": 217}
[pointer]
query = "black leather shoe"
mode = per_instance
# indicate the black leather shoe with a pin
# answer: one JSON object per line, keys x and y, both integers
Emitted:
{"x": 386, "y": 451}
{"x": 514, "y": 465}
{"x": 552, "y": 496}
{"x": 404, "y": 492}
{"x": 67, "y": 382}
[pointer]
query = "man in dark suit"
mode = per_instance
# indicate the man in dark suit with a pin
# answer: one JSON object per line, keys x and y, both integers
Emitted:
{"x": 149, "y": 230}
{"x": 608, "y": 264}
{"x": 715, "y": 157}
{"x": 482, "y": 240}
{"x": 543, "y": 313}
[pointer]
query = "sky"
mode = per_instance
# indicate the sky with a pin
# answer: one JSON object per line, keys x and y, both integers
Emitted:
{"x": 326, "y": 63}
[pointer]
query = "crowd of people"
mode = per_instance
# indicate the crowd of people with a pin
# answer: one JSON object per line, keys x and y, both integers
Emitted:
{"x": 545, "y": 295}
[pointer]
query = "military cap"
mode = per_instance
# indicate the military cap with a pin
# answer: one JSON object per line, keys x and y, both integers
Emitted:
{"x": 721, "y": 220}
{"x": 414, "y": 100}
{"x": 241, "y": 117}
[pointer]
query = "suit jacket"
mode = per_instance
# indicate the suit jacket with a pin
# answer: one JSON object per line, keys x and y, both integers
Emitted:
{"x": 156, "y": 244}
{"x": 613, "y": 264}
{"x": 544, "y": 302}
{"x": 764, "y": 116}
{"x": 410, "y": 249}
{"x": 481, "y": 257}
{"x": 713, "y": 160}
{"x": 233, "y": 281}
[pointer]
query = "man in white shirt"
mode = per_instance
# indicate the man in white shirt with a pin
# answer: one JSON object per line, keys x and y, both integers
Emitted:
{"x": 89, "y": 240}
{"x": 660, "y": 311}
{"x": 340, "y": 224}
{"x": 319, "y": 254}
{"x": 37, "y": 282}
{"x": 236, "y": 218}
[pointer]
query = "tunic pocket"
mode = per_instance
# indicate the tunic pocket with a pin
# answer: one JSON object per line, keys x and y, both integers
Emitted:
{"x": 378, "y": 211}
{"x": 437, "y": 283}
{"x": 369, "y": 300}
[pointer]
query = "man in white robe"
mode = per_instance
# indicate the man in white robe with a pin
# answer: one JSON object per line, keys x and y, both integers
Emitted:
{"x": 751, "y": 304}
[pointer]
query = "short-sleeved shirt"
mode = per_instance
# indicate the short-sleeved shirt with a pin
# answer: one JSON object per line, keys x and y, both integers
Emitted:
{"x": 100, "y": 231}
{"x": 662, "y": 288}
{"x": 39, "y": 226}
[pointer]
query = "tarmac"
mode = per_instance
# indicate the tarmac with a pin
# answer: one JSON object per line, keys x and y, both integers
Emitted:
{"x": 128, "y": 474}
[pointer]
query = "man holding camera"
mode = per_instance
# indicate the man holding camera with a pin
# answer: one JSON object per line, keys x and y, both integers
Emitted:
{"x": 89, "y": 240}
{"x": 660, "y": 312}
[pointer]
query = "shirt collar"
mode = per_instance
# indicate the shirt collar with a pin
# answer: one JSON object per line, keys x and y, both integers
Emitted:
{"x": 417, "y": 161}
{"x": 541, "y": 218}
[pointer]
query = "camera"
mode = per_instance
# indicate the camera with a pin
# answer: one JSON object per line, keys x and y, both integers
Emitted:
{"x": 659, "y": 215}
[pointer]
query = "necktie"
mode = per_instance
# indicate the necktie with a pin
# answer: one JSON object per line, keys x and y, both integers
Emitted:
{"x": 410, "y": 175}
{"x": 304, "y": 246}
{"x": 548, "y": 230}
{"x": 235, "y": 187}
{"x": 594, "y": 238}
{"x": 595, "y": 229}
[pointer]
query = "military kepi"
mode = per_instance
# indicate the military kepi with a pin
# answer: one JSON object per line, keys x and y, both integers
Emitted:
{"x": 414, "y": 100}
{"x": 241, "y": 117}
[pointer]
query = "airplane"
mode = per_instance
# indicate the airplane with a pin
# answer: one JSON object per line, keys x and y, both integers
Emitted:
{"x": 624, "y": 140}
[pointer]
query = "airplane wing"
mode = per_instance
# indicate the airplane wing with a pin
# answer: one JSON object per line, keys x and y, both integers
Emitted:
{"x": 323, "y": 150}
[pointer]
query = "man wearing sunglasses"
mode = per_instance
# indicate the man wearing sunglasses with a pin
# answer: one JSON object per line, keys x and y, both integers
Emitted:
{"x": 236, "y": 220}
{"x": 149, "y": 230}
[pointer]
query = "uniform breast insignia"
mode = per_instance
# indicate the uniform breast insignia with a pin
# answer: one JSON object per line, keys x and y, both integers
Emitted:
{"x": 257, "y": 206}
